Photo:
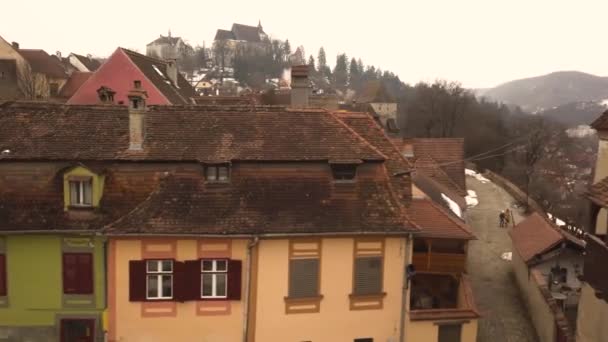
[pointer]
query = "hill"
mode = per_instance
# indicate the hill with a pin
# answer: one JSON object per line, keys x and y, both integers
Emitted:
{"x": 575, "y": 113}
{"x": 540, "y": 93}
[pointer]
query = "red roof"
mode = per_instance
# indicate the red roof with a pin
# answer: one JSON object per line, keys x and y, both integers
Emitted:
{"x": 449, "y": 155}
{"x": 76, "y": 80}
{"x": 436, "y": 222}
{"x": 534, "y": 236}
{"x": 42, "y": 62}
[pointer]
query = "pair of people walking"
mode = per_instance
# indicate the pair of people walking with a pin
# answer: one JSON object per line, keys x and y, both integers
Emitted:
{"x": 504, "y": 218}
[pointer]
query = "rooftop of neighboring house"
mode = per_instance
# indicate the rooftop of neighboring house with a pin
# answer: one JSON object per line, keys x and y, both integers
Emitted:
{"x": 183, "y": 202}
{"x": 77, "y": 79}
{"x": 242, "y": 32}
{"x": 436, "y": 222}
{"x": 601, "y": 123}
{"x": 374, "y": 92}
{"x": 535, "y": 236}
{"x": 90, "y": 63}
{"x": 42, "y": 62}
{"x": 165, "y": 40}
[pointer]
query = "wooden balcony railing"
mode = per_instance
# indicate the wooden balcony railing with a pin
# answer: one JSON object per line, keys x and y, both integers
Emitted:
{"x": 440, "y": 262}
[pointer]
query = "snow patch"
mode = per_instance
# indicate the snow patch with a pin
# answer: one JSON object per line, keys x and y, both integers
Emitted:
{"x": 477, "y": 176}
{"x": 557, "y": 220}
{"x": 471, "y": 199}
{"x": 604, "y": 102}
{"x": 507, "y": 256}
{"x": 454, "y": 207}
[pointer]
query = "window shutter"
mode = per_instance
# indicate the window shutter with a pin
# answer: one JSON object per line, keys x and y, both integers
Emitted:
{"x": 3, "y": 275}
{"x": 137, "y": 280}
{"x": 84, "y": 273}
{"x": 303, "y": 278}
{"x": 191, "y": 287}
{"x": 234, "y": 279}
{"x": 368, "y": 275}
{"x": 70, "y": 279}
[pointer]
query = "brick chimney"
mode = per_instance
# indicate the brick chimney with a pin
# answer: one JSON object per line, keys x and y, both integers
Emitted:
{"x": 300, "y": 87}
{"x": 106, "y": 95}
{"x": 15, "y": 45}
{"x": 137, "y": 115}
{"x": 172, "y": 71}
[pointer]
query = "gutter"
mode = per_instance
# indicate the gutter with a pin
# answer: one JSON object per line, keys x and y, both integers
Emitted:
{"x": 268, "y": 235}
{"x": 405, "y": 288}
{"x": 250, "y": 246}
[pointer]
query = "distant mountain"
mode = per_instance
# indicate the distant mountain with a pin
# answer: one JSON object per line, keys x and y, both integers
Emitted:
{"x": 540, "y": 93}
{"x": 576, "y": 113}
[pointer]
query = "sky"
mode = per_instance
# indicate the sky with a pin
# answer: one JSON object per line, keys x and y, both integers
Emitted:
{"x": 479, "y": 43}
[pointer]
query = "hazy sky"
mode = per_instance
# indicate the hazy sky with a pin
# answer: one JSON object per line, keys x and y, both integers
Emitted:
{"x": 480, "y": 43}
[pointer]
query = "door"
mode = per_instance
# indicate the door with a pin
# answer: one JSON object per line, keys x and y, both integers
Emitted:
{"x": 77, "y": 330}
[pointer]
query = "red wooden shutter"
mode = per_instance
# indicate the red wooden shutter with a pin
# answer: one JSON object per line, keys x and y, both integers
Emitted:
{"x": 192, "y": 280}
{"x": 3, "y": 275}
{"x": 70, "y": 277}
{"x": 234, "y": 279}
{"x": 137, "y": 280}
{"x": 85, "y": 273}
{"x": 179, "y": 281}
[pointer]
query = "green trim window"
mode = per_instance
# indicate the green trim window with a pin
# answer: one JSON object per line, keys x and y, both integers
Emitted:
{"x": 81, "y": 192}
{"x": 82, "y": 188}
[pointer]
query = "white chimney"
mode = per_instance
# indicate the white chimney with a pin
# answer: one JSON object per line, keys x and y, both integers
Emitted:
{"x": 300, "y": 87}
{"x": 137, "y": 115}
{"x": 172, "y": 71}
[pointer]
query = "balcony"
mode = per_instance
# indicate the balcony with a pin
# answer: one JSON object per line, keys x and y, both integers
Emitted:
{"x": 440, "y": 297}
{"x": 440, "y": 256}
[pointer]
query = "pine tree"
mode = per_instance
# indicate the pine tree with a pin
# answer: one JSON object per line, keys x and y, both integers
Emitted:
{"x": 311, "y": 62}
{"x": 322, "y": 64}
{"x": 341, "y": 72}
{"x": 287, "y": 49}
{"x": 354, "y": 74}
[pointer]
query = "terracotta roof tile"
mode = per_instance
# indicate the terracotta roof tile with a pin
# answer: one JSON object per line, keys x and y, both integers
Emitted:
{"x": 436, "y": 222}
{"x": 196, "y": 133}
{"x": 73, "y": 83}
{"x": 91, "y": 63}
{"x": 601, "y": 123}
{"x": 534, "y": 236}
{"x": 184, "y": 204}
{"x": 448, "y": 153}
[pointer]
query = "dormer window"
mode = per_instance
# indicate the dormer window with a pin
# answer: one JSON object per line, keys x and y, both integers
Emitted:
{"x": 217, "y": 173}
{"x": 81, "y": 192}
{"x": 344, "y": 172}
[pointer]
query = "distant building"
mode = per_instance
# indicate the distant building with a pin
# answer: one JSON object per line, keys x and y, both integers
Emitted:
{"x": 84, "y": 63}
{"x": 380, "y": 103}
{"x": 159, "y": 78}
{"x": 166, "y": 47}
{"x": 29, "y": 73}
{"x": 226, "y": 43}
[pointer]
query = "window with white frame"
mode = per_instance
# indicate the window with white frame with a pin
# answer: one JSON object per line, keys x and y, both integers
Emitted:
{"x": 159, "y": 279}
{"x": 81, "y": 192}
{"x": 214, "y": 278}
{"x": 217, "y": 173}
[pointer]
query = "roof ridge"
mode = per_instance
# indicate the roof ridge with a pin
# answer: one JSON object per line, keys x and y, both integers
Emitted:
{"x": 437, "y": 166}
{"x": 152, "y": 59}
{"x": 357, "y": 135}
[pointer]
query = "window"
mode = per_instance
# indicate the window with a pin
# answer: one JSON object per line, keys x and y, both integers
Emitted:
{"x": 367, "y": 339}
{"x": 159, "y": 279}
{"x": 214, "y": 278}
{"x": 218, "y": 173}
{"x": 303, "y": 278}
{"x": 450, "y": 332}
{"x": 81, "y": 192}
{"x": 77, "y": 273}
{"x": 368, "y": 275}
{"x": 54, "y": 89}
{"x": 3, "y": 291}
{"x": 344, "y": 172}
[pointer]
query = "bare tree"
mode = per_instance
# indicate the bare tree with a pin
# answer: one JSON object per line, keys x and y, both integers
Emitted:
{"x": 31, "y": 84}
{"x": 533, "y": 151}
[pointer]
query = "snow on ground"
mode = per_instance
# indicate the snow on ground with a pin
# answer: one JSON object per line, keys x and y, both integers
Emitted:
{"x": 557, "y": 220}
{"x": 478, "y": 176}
{"x": 507, "y": 256}
{"x": 454, "y": 207}
{"x": 471, "y": 199}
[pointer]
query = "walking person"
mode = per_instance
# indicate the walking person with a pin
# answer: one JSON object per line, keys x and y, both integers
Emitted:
{"x": 507, "y": 217}
{"x": 501, "y": 218}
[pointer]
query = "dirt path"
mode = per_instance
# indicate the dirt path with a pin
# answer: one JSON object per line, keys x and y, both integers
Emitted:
{"x": 505, "y": 317}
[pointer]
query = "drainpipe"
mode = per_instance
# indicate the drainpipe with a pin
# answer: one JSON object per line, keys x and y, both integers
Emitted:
{"x": 250, "y": 247}
{"x": 407, "y": 258}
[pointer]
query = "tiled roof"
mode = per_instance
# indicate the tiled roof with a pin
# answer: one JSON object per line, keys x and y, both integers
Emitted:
{"x": 448, "y": 153}
{"x": 224, "y": 35}
{"x": 225, "y": 100}
{"x": 77, "y": 78}
{"x": 246, "y": 33}
{"x": 265, "y": 204}
{"x": 601, "y": 123}
{"x": 365, "y": 126}
{"x": 534, "y": 236}
{"x": 436, "y": 222}
{"x": 42, "y": 62}
{"x": 428, "y": 166}
{"x": 197, "y": 133}
{"x": 598, "y": 193}
{"x": 434, "y": 190}
{"x": 149, "y": 66}
{"x": 91, "y": 63}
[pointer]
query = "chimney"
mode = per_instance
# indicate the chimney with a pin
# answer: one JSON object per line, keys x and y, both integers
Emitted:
{"x": 172, "y": 71}
{"x": 300, "y": 87}
{"x": 105, "y": 95}
{"x": 58, "y": 54}
{"x": 15, "y": 45}
{"x": 137, "y": 115}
